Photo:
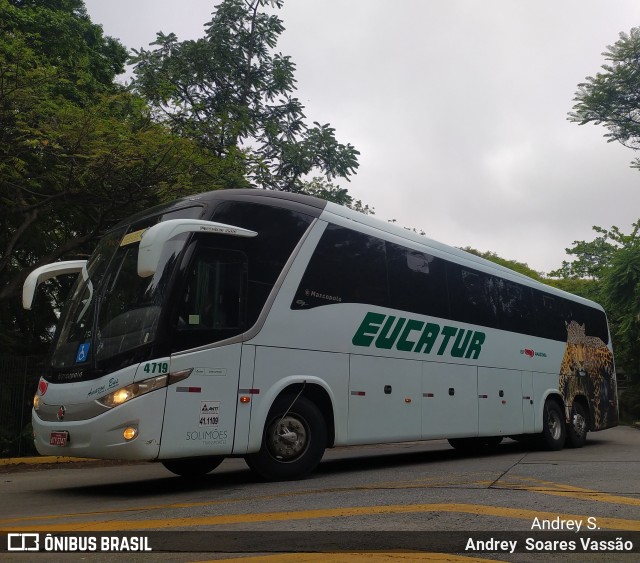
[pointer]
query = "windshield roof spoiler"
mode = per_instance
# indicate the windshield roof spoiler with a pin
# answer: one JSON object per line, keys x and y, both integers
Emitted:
{"x": 154, "y": 239}
{"x": 43, "y": 273}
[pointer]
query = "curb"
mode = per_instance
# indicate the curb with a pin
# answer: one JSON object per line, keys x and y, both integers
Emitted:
{"x": 41, "y": 460}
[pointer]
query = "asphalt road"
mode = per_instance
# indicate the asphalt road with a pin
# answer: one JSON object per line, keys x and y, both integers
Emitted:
{"x": 383, "y": 501}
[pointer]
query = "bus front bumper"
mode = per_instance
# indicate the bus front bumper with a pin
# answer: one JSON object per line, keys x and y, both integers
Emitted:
{"x": 103, "y": 437}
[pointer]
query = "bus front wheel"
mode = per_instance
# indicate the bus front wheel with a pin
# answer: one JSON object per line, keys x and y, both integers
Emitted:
{"x": 554, "y": 430}
{"x": 293, "y": 441}
{"x": 194, "y": 467}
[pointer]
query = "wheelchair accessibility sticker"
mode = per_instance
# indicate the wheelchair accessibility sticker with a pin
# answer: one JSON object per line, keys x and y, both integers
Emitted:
{"x": 83, "y": 352}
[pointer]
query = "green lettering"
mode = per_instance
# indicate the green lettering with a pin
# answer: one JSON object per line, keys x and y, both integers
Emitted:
{"x": 384, "y": 340}
{"x": 390, "y": 330}
{"x": 368, "y": 329}
{"x": 460, "y": 345}
{"x": 404, "y": 344}
{"x": 447, "y": 333}
{"x": 427, "y": 338}
{"x": 476, "y": 345}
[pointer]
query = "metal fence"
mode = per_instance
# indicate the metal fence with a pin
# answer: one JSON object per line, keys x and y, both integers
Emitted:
{"x": 18, "y": 383}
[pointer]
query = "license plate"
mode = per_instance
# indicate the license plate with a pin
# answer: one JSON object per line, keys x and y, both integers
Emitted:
{"x": 59, "y": 438}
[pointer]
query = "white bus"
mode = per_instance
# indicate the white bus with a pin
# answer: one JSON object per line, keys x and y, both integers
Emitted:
{"x": 270, "y": 326}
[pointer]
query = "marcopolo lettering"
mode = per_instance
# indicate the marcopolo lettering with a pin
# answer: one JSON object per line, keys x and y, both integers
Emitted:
{"x": 410, "y": 335}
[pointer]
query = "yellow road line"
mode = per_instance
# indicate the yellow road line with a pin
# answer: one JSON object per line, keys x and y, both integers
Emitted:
{"x": 347, "y": 512}
{"x": 538, "y": 486}
{"x": 560, "y": 490}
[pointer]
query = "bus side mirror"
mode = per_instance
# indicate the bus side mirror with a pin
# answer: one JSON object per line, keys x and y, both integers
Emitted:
{"x": 43, "y": 273}
{"x": 154, "y": 239}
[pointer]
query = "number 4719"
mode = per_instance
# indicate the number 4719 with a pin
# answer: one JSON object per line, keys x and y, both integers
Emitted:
{"x": 156, "y": 367}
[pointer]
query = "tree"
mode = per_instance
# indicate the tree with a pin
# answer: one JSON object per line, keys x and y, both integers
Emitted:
{"x": 612, "y": 97}
{"x": 621, "y": 288}
{"x": 593, "y": 256}
{"x": 77, "y": 153}
{"x": 321, "y": 188}
{"x": 58, "y": 36}
{"x": 232, "y": 94}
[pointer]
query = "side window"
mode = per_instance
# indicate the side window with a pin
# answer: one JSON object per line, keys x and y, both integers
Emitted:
{"x": 483, "y": 299}
{"x": 550, "y": 319}
{"x": 279, "y": 231}
{"x": 417, "y": 282}
{"x": 597, "y": 325}
{"x": 213, "y": 304}
{"x": 516, "y": 307}
{"x": 346, "y": 267}
{"x": 474, "y": 296}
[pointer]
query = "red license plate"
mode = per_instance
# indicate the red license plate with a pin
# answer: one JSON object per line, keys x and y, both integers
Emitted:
{"x": 59, "y": 438}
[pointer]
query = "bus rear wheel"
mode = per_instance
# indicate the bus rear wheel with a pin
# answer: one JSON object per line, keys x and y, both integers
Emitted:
{"x": 293, "y": 441}
{"x": 193, "y": 467}
{"x": 578, "y": 427}
{"x": 554, "y": 431}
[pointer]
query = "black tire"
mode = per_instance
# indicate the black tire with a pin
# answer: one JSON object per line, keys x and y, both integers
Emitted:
{"x": 193, "y": 467}
{"x": 482, "y": 444}
{"x": 578, "y": 426}
{"x": 554, "y": 431}
{"x": 293, "y": 440}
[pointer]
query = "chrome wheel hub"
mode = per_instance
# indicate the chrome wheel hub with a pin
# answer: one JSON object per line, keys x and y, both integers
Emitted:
{"x": 287, "y": 438}
{"x": 579, "y": 424}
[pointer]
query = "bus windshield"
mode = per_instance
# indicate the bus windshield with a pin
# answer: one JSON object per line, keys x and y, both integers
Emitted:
{"x": 111, "y": 309}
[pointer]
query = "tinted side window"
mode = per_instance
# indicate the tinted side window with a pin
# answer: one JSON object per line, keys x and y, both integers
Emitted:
{"x": 213, "y": 304}
{"x": 474, "y": 296}
{"x": 516, "y": 302}
{"x": 228, "y": 279}
{"x": 417, "y": 281}
{"x": 279, "y": 231}
{"x": 597, "y": 324}
{"x": 550, "y": 316}
{"x": 351, "y": 267}
{"x": 346, "y": 267}
{"x": 483, "y": 299}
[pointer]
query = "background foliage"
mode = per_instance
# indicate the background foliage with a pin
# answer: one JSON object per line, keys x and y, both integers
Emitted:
{"x": 79, "y": 151}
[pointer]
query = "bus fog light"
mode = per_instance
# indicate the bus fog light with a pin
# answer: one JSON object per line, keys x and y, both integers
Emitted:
{"x": 130, "y": 433}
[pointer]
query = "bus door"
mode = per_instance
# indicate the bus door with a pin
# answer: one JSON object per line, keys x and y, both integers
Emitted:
{"x": 200, "y": 411}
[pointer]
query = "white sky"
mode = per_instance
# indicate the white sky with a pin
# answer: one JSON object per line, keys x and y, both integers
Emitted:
{"x": 458, "y": 108}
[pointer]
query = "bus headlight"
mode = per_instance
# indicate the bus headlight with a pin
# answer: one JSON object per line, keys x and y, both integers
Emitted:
{"x": 134, "y": 390}
{"x": 124, "y": 394}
